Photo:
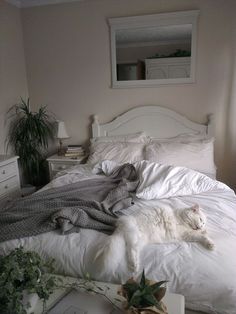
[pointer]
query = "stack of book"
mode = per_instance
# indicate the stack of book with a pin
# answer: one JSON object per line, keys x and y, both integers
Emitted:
{"x": 74, "y": 151}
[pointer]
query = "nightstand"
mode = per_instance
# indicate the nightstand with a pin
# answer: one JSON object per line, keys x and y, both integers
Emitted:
{"x": 58, "y": 163}
{"x": 9, "y": 178}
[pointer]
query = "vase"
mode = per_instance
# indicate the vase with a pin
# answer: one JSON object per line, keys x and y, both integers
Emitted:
{"x": 147, "y": 310}
{"x": 30, "y": 298}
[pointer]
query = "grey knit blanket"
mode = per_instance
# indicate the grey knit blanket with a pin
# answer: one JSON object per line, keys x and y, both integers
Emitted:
{"x": 92, "y": 204}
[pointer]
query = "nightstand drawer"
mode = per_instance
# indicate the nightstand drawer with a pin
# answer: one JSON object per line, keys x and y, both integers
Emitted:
{"x": 7, "y": 170}
{"x": 59, "y": 163}
{"x": 9, "y": 178}
{"x": 59, "y": 166}
{"x": 8, "y": 186}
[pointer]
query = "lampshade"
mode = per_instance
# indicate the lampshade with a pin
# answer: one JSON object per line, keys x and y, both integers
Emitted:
{"x": 61, "y": 130}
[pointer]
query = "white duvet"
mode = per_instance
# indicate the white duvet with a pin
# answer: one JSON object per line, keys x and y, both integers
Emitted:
{"x": 207, "y": 279}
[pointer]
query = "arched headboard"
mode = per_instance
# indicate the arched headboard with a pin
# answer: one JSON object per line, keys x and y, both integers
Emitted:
{"x": 156, "y": 121}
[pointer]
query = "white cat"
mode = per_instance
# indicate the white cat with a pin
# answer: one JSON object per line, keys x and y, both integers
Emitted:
{"x": 152, "y": 226}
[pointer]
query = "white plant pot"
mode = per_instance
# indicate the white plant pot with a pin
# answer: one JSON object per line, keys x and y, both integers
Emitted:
{"x": 31, "y": 298}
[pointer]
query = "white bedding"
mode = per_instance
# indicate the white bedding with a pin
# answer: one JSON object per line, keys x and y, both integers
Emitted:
{"x": 207, "y": 279}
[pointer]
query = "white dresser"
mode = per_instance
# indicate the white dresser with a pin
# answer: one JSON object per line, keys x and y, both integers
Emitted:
{"x": 164, "y": 68}
{"x": 9, "y": 178}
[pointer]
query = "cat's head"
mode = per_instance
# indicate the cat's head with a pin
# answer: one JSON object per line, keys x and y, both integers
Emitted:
{"x": 194, "y": 217}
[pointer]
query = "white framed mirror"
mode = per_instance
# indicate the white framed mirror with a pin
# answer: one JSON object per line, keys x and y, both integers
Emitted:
{"x": 153, "y": 49}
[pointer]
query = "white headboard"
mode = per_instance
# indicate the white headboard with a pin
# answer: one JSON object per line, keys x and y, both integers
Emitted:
{"x": 156, "y": 121}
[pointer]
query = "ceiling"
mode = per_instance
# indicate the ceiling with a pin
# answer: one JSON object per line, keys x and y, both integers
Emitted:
{"x": 32, "y": 3}
{"x": 154, "y": 34}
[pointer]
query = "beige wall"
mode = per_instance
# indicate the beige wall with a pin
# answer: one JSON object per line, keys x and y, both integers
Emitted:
{"x": 68, "y": 65}
{"x": 13, "y": 82}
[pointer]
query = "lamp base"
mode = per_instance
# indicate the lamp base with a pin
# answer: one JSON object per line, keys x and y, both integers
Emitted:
{"x": 61, "y": 150}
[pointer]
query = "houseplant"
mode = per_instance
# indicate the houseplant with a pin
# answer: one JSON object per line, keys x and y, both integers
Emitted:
{"x": 143, "y": 297}
{"x": 23, "y": 272}
{"x": 29, "y": 133}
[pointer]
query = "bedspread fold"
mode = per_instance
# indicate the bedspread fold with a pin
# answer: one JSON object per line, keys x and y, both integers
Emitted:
{"x": 92, "y": 204}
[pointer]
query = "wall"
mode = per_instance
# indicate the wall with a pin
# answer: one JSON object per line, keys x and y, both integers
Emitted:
{"x": 68, "y": 64}
{"x": 13, "y": 82}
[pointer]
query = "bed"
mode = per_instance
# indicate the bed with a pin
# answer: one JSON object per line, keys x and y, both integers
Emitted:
{"x": 207, "y": 279}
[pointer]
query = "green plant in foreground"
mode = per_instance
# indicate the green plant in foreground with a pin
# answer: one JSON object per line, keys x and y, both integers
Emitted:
{"x": 143, "y": 294}
{"x": 23, "y": 271}
{"x": 29, "y": 133}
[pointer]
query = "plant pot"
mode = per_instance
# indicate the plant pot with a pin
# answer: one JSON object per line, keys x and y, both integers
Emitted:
{"x": 30, "y": 298}
{"x": 148, "y": 310}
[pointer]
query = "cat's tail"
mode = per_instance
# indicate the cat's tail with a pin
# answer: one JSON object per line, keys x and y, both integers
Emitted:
{"x": 111, "y": 253}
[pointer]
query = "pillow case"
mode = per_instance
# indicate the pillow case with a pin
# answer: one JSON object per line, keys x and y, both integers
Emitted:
{"x": 198, "y": 155}
{"x": 118, "y": 152}
{"x": 162, "y": 181}
{"x": 139, "y": 137}
{"x": 182, "y": 138}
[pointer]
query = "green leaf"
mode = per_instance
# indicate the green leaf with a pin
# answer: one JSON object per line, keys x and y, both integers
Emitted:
{"x": 136, "y": 298}
{"x": 143, "y": 280}
{"x": 130, "y": 289}
{"x": 149, "y": 300}
{"x": 156, "y": 286}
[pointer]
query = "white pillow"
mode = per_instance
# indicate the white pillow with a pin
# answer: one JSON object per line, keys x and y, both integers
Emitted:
{"x": 162, "y": 181}
{"x": 182, "y": 138}
{"x": 139, "y": 137}
{"x": 118, "y": 152}
{"x": 197, "y": 155}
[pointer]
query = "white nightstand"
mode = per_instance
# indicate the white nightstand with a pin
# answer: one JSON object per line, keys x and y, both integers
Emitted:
{"x": 9, "y": 178}
{"x": 175, "y": 302}
{"x": 58, "y": 163}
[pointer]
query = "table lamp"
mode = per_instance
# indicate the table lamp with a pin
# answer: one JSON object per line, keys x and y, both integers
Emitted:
{"x": 61, "y": 134}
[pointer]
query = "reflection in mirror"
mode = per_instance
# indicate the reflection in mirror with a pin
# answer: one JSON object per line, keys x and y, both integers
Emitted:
{"x": 153, "y": 49}
{"x": 153, "y": 53}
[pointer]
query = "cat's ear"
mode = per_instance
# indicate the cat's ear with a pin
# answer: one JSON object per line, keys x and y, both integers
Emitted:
{"x": 195, "y": 208}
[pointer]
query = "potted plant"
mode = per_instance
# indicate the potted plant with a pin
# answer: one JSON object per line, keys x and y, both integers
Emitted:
{"x": 143, "y": 297}
{"x": 24, "y": 273}
{"x": 29, "y": 133}
{"x": 25, "y": 278}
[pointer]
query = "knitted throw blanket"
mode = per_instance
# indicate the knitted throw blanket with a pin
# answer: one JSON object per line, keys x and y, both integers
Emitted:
{"x": 91, "y": 204}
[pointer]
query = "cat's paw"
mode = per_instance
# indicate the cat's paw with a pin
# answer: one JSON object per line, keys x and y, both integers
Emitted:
{"x": 133, "y": 268}
{"x": 133, "y": 261}
{"x": 210, "y": 245}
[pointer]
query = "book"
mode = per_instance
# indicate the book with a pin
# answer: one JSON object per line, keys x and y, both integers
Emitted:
{"x": 78, "y": 302}
{"x": 74, "y": 146}
{"x": 74, "y": 154}
{"x": 74, "y": 150}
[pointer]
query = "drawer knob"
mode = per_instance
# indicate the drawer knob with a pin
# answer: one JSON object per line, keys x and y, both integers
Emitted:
{"x": 62, "y": 167}
{"x": 6, "y": 186}
{"x": 4, "y": 172}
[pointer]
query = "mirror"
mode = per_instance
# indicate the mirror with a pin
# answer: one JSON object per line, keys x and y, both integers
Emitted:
{"x": 153, "y": 49}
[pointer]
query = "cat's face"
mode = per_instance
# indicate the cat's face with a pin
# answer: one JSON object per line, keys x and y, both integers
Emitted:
{"x": 195, "y": 218}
